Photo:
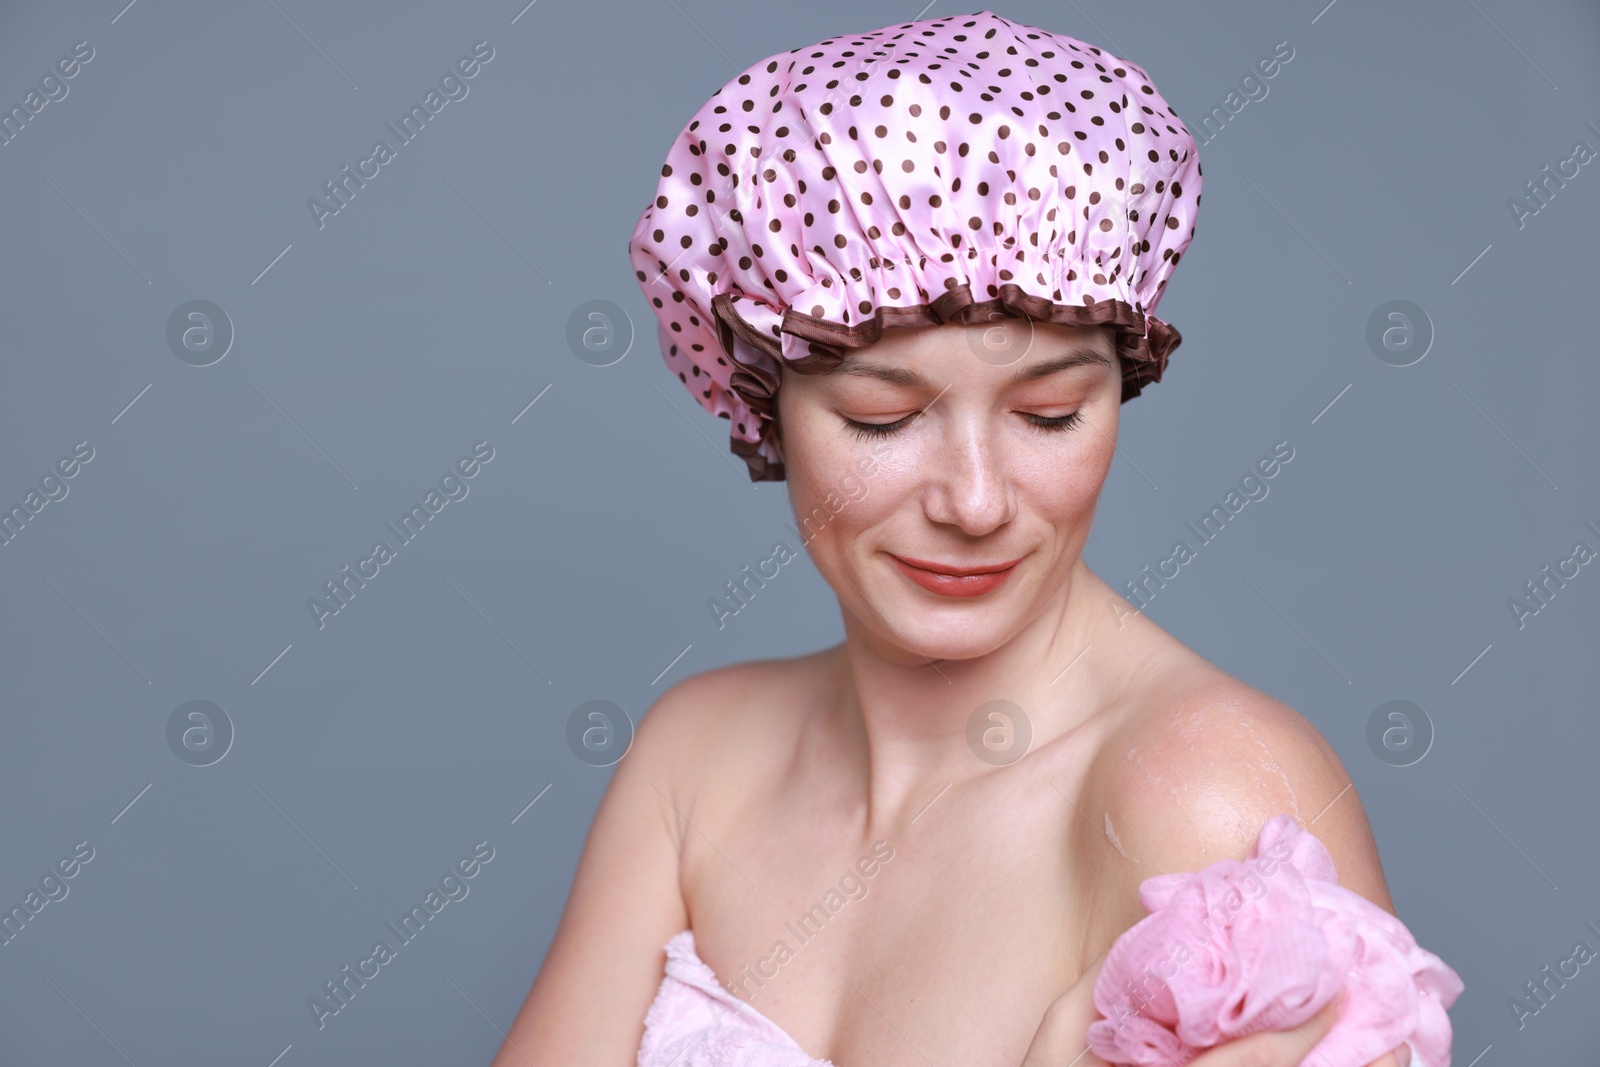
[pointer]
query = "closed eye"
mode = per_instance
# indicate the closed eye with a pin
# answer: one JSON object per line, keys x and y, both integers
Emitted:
{"x": 1056, "y": 422}
{"x": 866, "y": 430}
{"x": 1049, "y": 424}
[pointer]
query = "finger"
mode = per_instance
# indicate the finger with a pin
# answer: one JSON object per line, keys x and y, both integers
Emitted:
{"x": 1400, "y": 1056}
{"x": 1274, "y": 1048}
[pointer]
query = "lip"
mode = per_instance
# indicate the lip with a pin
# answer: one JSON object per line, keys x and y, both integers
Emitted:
{"x": 957, "y": 572}
{"x": 948, "y": 580}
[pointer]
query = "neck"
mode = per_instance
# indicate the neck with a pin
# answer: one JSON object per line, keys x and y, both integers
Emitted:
{"x": 907, "y": 718}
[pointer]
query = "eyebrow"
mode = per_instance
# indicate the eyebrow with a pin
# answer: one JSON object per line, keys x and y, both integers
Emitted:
{"x": 1075, "y": 357}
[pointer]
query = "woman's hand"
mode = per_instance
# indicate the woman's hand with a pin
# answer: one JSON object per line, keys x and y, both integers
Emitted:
{"x": 1061, "y": 1040}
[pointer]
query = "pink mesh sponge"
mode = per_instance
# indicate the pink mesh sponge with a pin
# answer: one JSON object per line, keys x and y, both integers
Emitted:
{"x": 1264, "y": 944}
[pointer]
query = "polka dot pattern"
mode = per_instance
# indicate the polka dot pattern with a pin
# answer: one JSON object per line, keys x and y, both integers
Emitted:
{"x": 953, "y": 169}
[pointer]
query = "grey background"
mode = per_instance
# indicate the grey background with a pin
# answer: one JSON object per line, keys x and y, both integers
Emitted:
{"x": 428, "y": 314}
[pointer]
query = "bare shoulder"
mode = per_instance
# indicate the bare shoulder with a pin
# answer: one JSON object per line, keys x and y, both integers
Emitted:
{"x": 604, "y": 964}
{"x": 721, "y": 719}
{"x": 1204, "y": 760}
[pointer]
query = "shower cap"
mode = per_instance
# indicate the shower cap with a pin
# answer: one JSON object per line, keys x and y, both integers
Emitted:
{"x": 956, "y": 169}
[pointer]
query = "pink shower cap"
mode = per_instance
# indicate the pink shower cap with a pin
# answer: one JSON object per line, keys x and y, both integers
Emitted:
{"x": 956, "y": 169}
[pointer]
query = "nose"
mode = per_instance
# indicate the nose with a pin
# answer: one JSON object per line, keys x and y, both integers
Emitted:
{"x": 968, "y": 482}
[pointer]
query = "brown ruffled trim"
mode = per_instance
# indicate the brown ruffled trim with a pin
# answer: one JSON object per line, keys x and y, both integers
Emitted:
{"x": 1143, "y": 359}
{"x": 755, "y": 386}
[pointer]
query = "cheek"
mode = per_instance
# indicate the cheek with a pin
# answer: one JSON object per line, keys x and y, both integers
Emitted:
{"x": 827, "y": 467}
{"x": 831, "y": 493}
{"x": 820, "y": 469}
{"x": 813, "y": 459}
{"x": 1064, "y": 481}
{"x": 1087, "y": 475}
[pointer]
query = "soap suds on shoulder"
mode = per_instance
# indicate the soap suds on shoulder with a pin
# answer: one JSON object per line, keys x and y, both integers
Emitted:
{"x": 1111, "y": 835}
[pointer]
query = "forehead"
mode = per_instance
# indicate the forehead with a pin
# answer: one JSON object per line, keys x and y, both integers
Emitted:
{"x": 1041, "y": 350}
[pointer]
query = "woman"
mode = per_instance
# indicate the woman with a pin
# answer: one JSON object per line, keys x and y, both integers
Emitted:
{"x": 944, "y": 240}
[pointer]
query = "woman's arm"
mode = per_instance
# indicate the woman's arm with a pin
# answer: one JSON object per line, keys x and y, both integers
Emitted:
{"x": 1190, "y": 788}
{"x": 1199, "y": 786}
{"x": 605, "y": 963}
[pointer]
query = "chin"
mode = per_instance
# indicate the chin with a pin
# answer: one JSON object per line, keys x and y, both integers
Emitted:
{"x": 930, "y": 626}
{"x": 957, "y": 647}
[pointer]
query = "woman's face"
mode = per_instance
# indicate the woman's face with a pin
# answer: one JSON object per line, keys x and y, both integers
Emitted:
{"x": 961, "y": 446}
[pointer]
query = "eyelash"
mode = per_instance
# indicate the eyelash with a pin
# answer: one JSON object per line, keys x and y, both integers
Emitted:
{"x": 868, "y": 430}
